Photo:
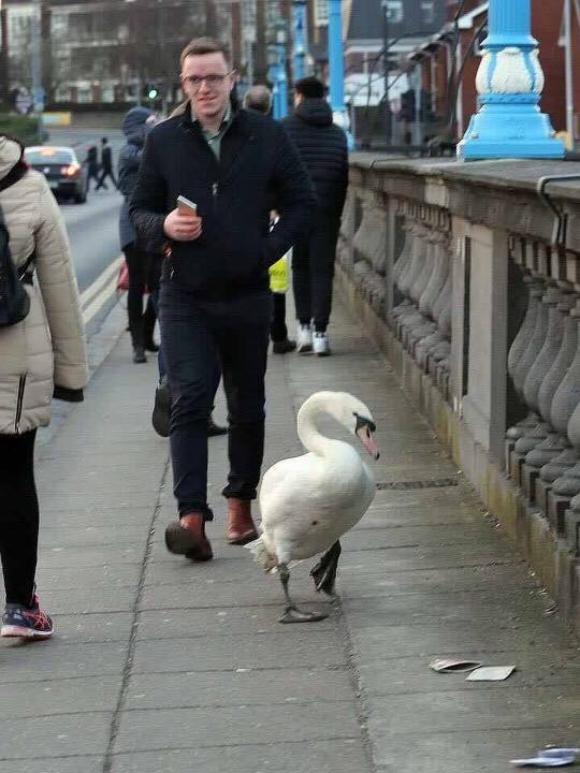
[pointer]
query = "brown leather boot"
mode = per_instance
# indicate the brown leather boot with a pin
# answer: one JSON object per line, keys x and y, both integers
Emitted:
{"x": 186, "y": 537}
{"x": 241, "y": 528}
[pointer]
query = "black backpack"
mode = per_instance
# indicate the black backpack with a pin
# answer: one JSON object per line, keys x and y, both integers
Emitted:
{"x": 14, "y": 300}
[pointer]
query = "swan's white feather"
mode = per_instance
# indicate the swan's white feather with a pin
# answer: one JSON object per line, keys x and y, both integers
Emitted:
{"x": 308, "y": 502}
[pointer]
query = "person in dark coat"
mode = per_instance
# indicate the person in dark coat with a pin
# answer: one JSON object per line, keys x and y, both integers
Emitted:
{"x": 323, "y": 148}
{"x": 144, "y": 267}
{"x": 259, "y": 98}
{"x": 215, "y": 304}
{"x": 92, "y": 162}
{"x": 106, "y": 164}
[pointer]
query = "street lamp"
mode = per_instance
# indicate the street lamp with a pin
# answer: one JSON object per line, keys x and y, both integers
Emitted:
{"x": 509, "y": 82}
{"x": 300, "y": 39}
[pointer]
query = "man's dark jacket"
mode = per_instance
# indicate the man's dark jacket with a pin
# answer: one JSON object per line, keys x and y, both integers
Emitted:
{"x": 258, "y": 163}
{"x": 323, "y": 148}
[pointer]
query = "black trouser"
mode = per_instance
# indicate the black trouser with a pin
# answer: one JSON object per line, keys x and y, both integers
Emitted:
{"x": 313, "y": 271}
{"x": 278, "y": 329}
{"x": 93, "y": 175}
{"x": 143, "y": 274}
{"x": 104, "y": 174}
{"x": 18, "y": 516}
{"x": 200, "y": 338}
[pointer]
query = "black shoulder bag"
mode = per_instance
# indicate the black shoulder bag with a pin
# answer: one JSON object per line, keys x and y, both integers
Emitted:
{"x": 14, "y": 300}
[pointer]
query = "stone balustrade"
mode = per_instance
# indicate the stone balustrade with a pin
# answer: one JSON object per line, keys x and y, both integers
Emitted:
{"x": 469, "y": 280}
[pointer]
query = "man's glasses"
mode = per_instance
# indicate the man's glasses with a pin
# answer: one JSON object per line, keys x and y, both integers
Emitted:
{"x": 212, "y": 81}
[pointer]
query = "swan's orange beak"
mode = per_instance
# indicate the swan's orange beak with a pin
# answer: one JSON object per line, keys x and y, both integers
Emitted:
{"x": 368, "y": 440}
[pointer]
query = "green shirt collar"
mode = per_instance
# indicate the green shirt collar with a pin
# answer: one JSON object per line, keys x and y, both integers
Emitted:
{"x": 214, "y": 139}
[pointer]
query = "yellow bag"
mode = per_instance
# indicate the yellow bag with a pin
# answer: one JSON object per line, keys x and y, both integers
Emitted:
{"x": 280, "y": 275}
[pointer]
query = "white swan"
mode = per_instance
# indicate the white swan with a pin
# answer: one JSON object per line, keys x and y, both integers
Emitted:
{"x": 310, "y": 501}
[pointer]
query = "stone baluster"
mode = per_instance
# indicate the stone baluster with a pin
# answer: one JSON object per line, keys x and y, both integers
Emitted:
{"x": 411, "y": 270}
{"x": 516, "y": 353}
{"x": 534, "y": 435}
{"x": 401, "y": 266}
{"x": 559, "y": 400}
{"x": 560, "y": 407}
{"x": 417, "y": 325}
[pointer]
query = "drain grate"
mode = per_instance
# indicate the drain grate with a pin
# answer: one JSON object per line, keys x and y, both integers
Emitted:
{"x": 406, "y": 485}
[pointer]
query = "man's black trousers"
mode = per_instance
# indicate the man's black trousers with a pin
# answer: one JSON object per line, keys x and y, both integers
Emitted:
{"x": 199, "y": 338}
{"x": 313, "y": 271}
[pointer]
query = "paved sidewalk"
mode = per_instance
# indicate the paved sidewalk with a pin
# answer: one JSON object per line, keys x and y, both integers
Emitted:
{"x": 161, "y": 665}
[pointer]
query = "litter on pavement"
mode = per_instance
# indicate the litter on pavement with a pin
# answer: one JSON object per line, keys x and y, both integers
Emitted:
{"x": 491, "y": 674}
{"x": 453, "y": 666}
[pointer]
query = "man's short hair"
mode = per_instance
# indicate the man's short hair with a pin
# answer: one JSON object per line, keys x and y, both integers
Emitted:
{"x": 258, "y": 98}
{"x": 310, "y": 88}
{"x": 201, "y": 46}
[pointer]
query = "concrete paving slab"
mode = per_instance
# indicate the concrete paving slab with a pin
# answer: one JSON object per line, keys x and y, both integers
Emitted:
{"x": 468, "y": 752}
{"x": 170, "y": 728}
{"x": 94, "y": 535}
{"x": 60, "y": 697}
{"x": 78, "y": 628}
{"x": 336, "y": 756}
{"x": 378, "y": 642}
{"x": 55, "y": 661}
{"x": 93, "y": 764}
{"x": 170, "y": 624}
{"x": 285, "y": 650}
{"x": 238, "y": 688}
{"x": 354, "y": 583}
{"x": 411, "y": 674}
{"x": 83, "y": 600}
{"x": 102, "y": 578}
{"x": 80, "y": 734}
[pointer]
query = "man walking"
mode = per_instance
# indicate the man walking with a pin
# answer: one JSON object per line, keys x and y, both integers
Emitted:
{"x": 106, "y": 164}
{"x": 215, "y": 304}
{"x": 259, "y": 99}
{"x": 323, "y": 148}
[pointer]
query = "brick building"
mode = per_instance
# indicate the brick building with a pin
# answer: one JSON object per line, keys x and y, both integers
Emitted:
{"x": 441, "y": 58}
{"x": 104, "y": 51}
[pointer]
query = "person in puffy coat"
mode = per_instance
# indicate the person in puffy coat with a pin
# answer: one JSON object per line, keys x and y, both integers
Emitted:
{"x": 42, "y": 357}
{"x": 144, "y": 266}
{"x": 323, "y": 149}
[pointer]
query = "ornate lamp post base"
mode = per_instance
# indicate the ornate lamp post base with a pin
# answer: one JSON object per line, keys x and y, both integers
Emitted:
{"x": 509, "y": 82}
{"x": 510, "y": 128}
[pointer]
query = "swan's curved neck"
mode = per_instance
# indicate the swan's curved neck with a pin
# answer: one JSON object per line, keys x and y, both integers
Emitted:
{"x": 311, "y": 437}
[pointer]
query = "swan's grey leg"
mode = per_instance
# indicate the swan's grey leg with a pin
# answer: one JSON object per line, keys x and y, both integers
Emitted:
{"x": 292, "y": 614}
{"x": 324, "y": 573}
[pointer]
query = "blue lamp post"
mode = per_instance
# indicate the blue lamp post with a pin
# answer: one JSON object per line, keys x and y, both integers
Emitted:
{"x": 300, "y": 39}
{"x": 510, "y": 80}
{"x": 336, "y": 67}
{"x": 282, "y": 83}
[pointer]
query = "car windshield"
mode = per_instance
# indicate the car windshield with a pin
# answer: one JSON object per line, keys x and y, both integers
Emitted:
{"x": 49, "y": 156}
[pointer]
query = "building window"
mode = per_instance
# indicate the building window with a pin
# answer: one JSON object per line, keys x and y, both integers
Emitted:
{"x": 321, "y": 13}
{"x": 394, "y": 9}
{"x": 428, "y": 11}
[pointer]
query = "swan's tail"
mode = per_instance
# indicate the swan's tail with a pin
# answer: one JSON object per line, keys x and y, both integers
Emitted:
{"x": 261, "y": 555}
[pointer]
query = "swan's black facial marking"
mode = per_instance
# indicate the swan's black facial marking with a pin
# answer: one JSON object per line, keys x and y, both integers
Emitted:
{"x": 362, "y": 422}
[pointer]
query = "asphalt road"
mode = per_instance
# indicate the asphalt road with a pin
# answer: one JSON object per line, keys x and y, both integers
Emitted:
{"x": 93, "y": 226}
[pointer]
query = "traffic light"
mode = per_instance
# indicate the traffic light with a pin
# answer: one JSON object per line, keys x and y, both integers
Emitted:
{"x": 408, "y": 106}
{"x": 151, "y": 92}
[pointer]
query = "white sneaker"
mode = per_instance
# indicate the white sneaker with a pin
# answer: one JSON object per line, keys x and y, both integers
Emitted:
{"x": 304, "y": 339}
{"x": 321, "y": 344}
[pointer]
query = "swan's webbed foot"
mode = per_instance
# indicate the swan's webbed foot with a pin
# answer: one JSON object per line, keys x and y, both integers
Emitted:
{"x": 292, "y": 614}
{"x": 324, "y": 573}
{"x": 295, "y": 615}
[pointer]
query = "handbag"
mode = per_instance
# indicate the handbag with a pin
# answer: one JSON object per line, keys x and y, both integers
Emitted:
{"x": 123, "y": 278}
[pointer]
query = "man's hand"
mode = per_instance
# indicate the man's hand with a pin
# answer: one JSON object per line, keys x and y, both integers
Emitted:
{"x": 182, "y": 227}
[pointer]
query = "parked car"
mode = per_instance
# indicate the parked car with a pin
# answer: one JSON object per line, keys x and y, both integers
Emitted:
{"x": 65, "y": 175}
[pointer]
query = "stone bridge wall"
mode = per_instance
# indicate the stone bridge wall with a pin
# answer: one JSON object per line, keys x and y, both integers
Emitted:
{"x": 469, "y": 281}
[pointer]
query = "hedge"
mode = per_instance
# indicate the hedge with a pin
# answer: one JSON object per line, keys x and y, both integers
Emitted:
{"x": 22, "y": 126}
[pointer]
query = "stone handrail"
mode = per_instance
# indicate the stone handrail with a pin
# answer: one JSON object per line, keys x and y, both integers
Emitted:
{"x": 470, "y": 281}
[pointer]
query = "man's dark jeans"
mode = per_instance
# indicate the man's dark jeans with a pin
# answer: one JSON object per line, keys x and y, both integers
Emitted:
{"x": 313, "y": 271}
{"x": 198, "y": 338}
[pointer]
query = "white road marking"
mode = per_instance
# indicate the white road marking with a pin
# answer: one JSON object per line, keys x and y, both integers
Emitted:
{"x": 101, "y": 291}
